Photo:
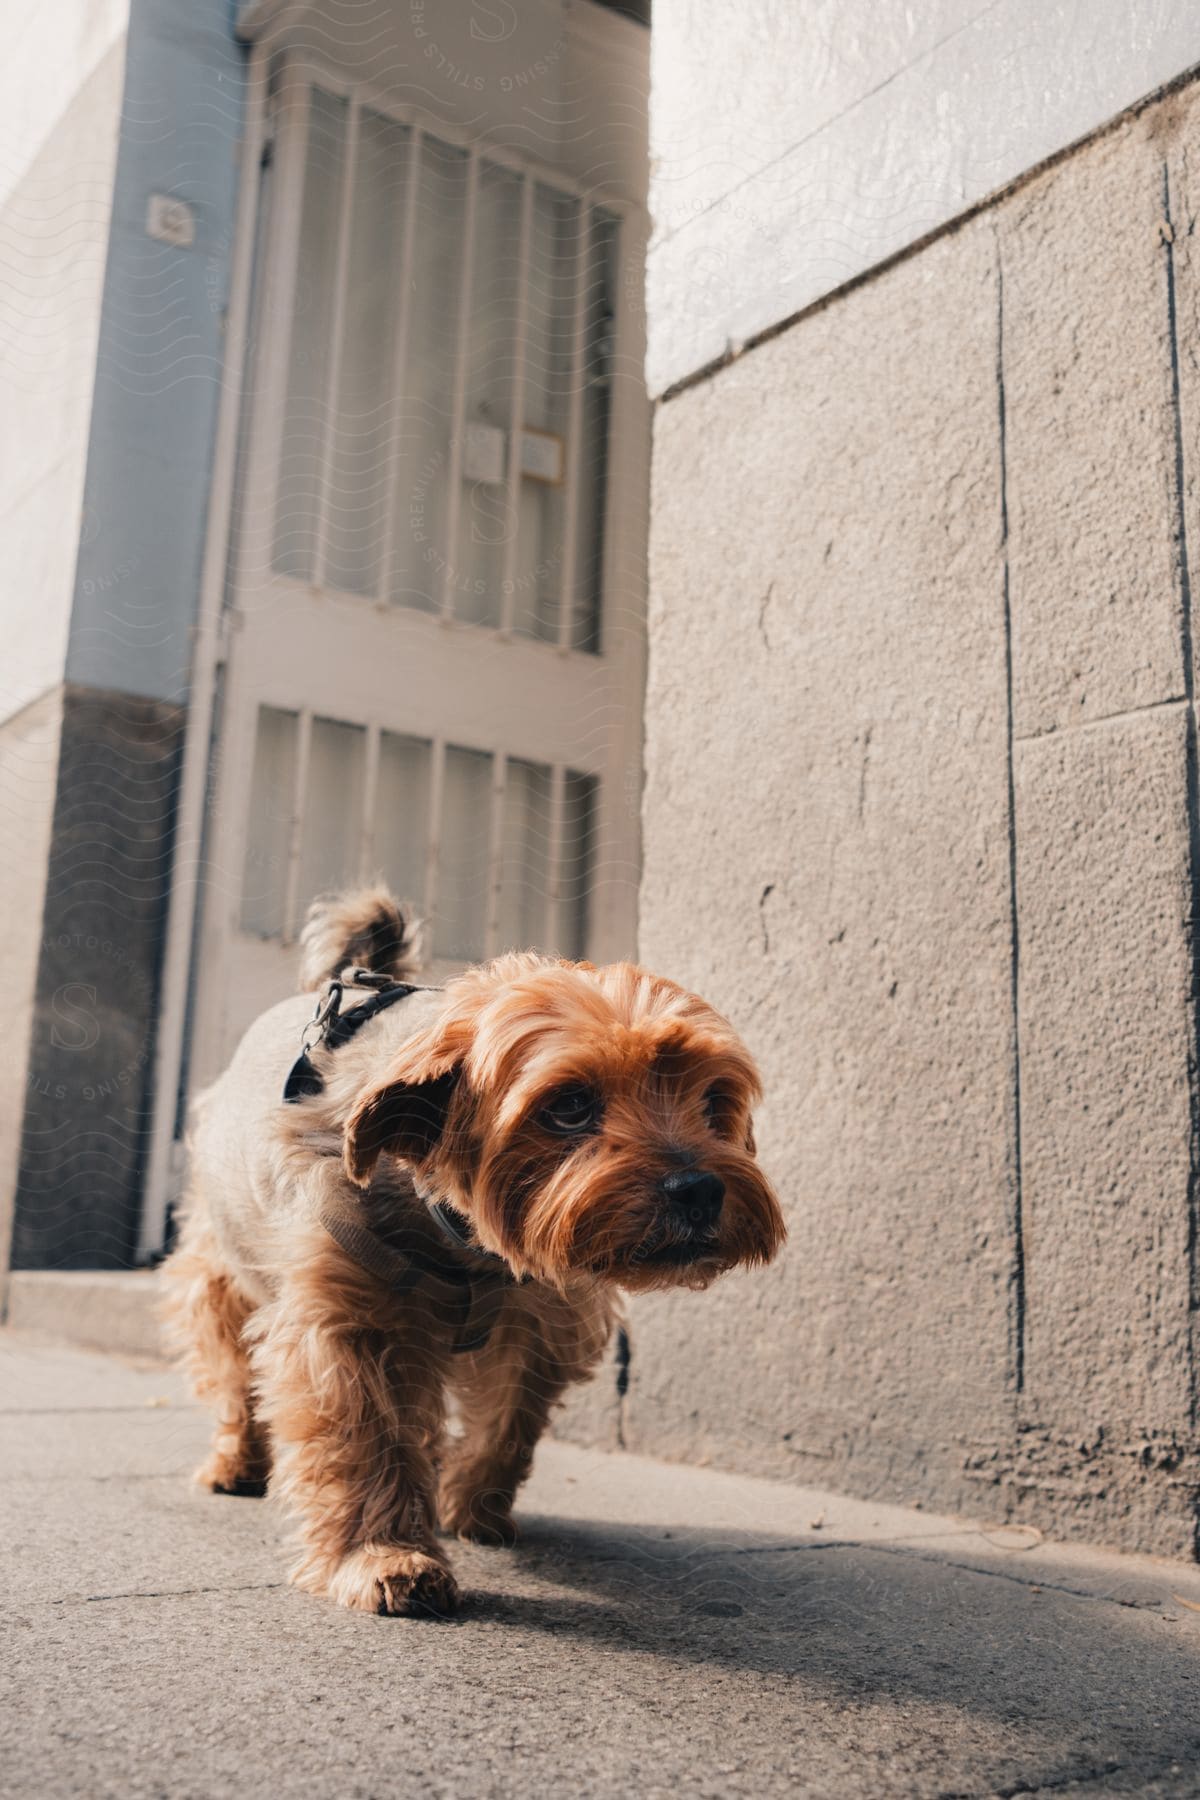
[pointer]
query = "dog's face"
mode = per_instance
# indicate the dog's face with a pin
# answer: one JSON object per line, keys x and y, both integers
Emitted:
{"x": 586, "y": 1120}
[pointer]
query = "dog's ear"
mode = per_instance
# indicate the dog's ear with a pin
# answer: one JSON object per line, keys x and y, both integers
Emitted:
{"x": 404, "y": 1116}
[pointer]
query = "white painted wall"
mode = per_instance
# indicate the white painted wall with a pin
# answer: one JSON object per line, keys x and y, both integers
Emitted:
{"x": 61, "y": 80}
{"x": 796, "y": 143}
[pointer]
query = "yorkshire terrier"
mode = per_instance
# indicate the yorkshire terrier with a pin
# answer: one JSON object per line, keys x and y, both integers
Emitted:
{"x": 442, "y": 1191}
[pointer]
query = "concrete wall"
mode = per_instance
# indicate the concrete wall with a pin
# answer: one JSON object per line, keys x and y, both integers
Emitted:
{"x": 921, "y": 815}
{"x": 61, "y": 81}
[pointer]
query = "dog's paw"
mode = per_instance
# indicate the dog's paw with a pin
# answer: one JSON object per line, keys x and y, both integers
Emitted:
{"x": 221, "y": 1476}
{"x": 498, "y": 1532}
{"x": 406, "y": 1584}
{"x": 478, "y": 1518}
{"x": 428, "y": 1592}
{"x": 245, "y": 1487}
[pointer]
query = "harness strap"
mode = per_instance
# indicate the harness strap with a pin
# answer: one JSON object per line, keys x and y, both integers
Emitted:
{"x": 469, "y": 1303}
{"x": 331, "y": 1028}
{"x": 469, "y": 1300}
{"x": 456, "y": 1230}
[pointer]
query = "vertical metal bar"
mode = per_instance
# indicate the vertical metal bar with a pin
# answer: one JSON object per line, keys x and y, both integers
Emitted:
{"x": 495, "y": 881}
{"x": 399, "y": 368}
{"x": 458, "y": 403}
{"x": 437, "y": 785}
{"x": 333, "y": 379}
{"x": 296, "y": 823}
{"x": 558, "y": 795}
{"x": 366, "y": 850}
{"x": 516, "y": 411}
{"x": 269, "y": 356}
{"x": 573, "y": 472}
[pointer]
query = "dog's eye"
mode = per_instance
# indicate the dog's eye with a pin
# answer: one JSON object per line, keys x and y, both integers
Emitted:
{"x": 719, "y": 1110}
{"x": 572, "y": 1110}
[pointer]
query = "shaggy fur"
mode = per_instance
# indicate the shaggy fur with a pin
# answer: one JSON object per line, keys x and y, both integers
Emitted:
{"x": 558, "y": 1107}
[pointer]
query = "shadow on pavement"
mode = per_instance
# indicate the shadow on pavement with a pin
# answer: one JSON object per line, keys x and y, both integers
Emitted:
{"x": 863, "y": 1622}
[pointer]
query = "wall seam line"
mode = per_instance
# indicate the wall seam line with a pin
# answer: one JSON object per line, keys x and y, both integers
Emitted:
{"x": 1017, "y": 1291}
{"x": 1192, "y": 785}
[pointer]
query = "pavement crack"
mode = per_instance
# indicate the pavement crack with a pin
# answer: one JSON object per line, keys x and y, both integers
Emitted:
{"x": 238, "y": 1587}
{"x": 62, "y": 1412}
{"x": 1027, "y": 1580}
{"x": 72, "y": 1477}
{"x": 1054, "y": 1783}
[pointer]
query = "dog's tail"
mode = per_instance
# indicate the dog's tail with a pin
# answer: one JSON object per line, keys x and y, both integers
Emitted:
{"x": 364, "y": 927}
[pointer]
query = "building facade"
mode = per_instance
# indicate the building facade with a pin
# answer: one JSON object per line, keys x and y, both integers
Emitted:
{"x": 342, "y": 584}
{"x": 350, "y": 577}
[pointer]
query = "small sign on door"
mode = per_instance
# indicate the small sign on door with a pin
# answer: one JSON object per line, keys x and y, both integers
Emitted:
{"x": 484, "y": 448}
{"x": 483, "y": 453}
{"x": 542, "y": 456}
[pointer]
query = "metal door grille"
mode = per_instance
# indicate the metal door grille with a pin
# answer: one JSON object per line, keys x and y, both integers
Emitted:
{"x": 496, "y": 850}
{"x": 445, "y": 422}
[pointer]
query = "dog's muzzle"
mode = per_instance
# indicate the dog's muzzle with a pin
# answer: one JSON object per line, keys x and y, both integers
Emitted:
{"x": 694, "y": 1197}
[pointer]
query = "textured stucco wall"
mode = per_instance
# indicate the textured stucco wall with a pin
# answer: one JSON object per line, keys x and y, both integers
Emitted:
{"x": 921, "y": 815}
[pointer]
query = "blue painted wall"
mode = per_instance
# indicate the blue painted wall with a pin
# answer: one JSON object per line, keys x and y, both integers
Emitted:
{"x": 89, "y": 1093}
{"x": 161, "y": 347}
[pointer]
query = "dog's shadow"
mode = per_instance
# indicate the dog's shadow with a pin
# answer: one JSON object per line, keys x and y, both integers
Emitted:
{"x": 857, "y": 1621}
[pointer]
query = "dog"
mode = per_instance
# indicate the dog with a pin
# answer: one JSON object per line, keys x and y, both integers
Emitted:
{"x": 421, "y": 1192}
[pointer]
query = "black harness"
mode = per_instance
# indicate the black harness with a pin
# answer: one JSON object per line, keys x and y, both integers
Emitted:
{"x": 330, "y": 1027}
{"x": 469, "y": 1298}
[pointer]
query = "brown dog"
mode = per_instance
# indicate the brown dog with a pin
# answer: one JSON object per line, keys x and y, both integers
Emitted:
{"x": 448, "y": 1199}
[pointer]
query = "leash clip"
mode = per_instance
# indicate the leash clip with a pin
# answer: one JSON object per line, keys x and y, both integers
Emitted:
{"x": 318, "y": 1027}
{"x": 330, "y": 1028}
{"x": 303, "y": 1078}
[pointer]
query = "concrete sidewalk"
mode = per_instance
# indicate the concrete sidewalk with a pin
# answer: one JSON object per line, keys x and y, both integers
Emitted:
{"x": 658, "y": 1631}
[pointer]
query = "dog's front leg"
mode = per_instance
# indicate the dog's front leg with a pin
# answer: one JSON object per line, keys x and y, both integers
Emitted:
{"x": 350, "y": 1385}
{"x": 505, "y": 1394}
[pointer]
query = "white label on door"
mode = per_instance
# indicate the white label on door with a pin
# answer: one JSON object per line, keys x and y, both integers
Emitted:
{"x": 483, "y": 453}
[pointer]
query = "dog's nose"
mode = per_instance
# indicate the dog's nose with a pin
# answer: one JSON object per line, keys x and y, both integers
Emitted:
{"x": 695, "y": 1195}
